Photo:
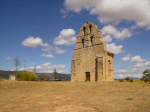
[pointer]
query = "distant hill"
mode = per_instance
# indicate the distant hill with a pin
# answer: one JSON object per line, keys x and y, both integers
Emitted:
{"x": 5, "y": 74}
{"x": 133, "y": 78}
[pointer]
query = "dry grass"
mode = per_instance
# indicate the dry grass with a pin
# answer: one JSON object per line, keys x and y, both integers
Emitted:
{"x": 29, "y": 96}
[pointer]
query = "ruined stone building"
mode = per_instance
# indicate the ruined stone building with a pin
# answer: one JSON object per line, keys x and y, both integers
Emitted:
{"x": 91, "y": 61}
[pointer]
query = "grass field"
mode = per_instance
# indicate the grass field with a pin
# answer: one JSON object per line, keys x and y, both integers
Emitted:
{"x": 36, "y": 96}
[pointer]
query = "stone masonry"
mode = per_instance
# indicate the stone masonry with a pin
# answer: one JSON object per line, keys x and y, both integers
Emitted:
{"x": 91, "y": 61}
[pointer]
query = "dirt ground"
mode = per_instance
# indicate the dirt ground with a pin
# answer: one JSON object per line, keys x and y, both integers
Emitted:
{"x": 32, "y": 96}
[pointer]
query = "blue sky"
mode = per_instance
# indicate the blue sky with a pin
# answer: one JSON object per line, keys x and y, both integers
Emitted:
{"x": 43, "y": 32}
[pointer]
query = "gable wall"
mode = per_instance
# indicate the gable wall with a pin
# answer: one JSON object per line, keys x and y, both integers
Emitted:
{"x": 90, "y": 58}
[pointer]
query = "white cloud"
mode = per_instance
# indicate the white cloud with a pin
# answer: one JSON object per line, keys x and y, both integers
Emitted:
{"x": 51, "y": 71}
{"x": 62, "y": 11}
{"x": 137, "y": 59}
{"x": 65, "y": 37}
{"x": 111, "y": 30}
{"x": 12, "y": 69}
{"x": 8, "y": 58}
{"x": 107, "y": 39}
{"x": 33, "y": 43}
{"x": 61, "y": 72}
{"x": 46, "y": 64}
{"x": 44, "y": 67}
{"x": 114, "y": 49}
{"x": 126, "y": 58}
{"x": 147, "y": 28}
{"x": 120, "y": 71}
{"x": 114, "y": 11}
{"x": 78, "y": 5}
{"x": 56, "y": 49}
{"x": 47, "y": 56}
{"x": 49, "y": 48}
{"x": 47, "y": 71}
{"x": 59, "y": 51}
{"x": 64, "y": 16}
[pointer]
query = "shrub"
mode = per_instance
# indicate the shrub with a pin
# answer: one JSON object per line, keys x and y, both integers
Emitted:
{"x": 27, "y": 76}
{"x": 129, "y": 99}
{"x": 120, "y": 80}
{"x": 66, "y": 79}
{"x": 131, "y": 80}
{"x": 127, "y": 78}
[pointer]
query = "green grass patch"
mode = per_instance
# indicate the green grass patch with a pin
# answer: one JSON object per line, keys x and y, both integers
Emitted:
{"x": 129, "y": 99}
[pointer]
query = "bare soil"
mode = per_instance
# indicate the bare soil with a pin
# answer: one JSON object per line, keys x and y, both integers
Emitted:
{"x": 36, "y": 96}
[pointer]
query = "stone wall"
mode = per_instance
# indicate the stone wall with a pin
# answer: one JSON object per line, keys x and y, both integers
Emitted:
{"x": 90, "y": 56}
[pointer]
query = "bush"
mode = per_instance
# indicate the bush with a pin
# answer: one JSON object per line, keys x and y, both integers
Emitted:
{"x": 66, "y": 79}
{"x": 131, "y": 80}
{"x": 120, "y": 80}
{"x": 27, "y": 76}
{"x": 127, "y": 78}
{"x": 129, "y": 99}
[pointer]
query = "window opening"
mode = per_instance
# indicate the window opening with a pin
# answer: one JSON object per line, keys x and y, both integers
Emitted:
{"x": 92, "y": 40}
{"x": 83, "y": 42}
{"x": 90, "y": 29}
{"x": 84, "y": 30}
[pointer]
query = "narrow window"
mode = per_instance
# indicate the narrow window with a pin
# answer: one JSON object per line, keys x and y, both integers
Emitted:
{"x": 83, "y": 42}
{"x": 90, "y": 27}
{"x": 84, "y": 30}
{"x": 92, "y": 40}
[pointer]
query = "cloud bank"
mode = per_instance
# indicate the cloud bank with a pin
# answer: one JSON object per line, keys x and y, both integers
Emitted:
{"x": 114, "y": 11}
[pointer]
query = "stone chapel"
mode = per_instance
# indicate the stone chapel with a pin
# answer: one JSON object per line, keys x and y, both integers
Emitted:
{"x": 91, "y": 61}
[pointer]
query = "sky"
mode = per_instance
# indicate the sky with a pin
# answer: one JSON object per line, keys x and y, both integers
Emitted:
{"x": 43, "y": 32}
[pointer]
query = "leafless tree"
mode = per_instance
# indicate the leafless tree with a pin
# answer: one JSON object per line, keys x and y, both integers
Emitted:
{"x": 55, "y": 74}
{"x": 25, "y": 66}
{"x": 34, "y": 69}
{"x": 17, "y": 63}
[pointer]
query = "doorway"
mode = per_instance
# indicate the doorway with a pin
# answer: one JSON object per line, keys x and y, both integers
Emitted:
{"x": 87, "y": 76}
